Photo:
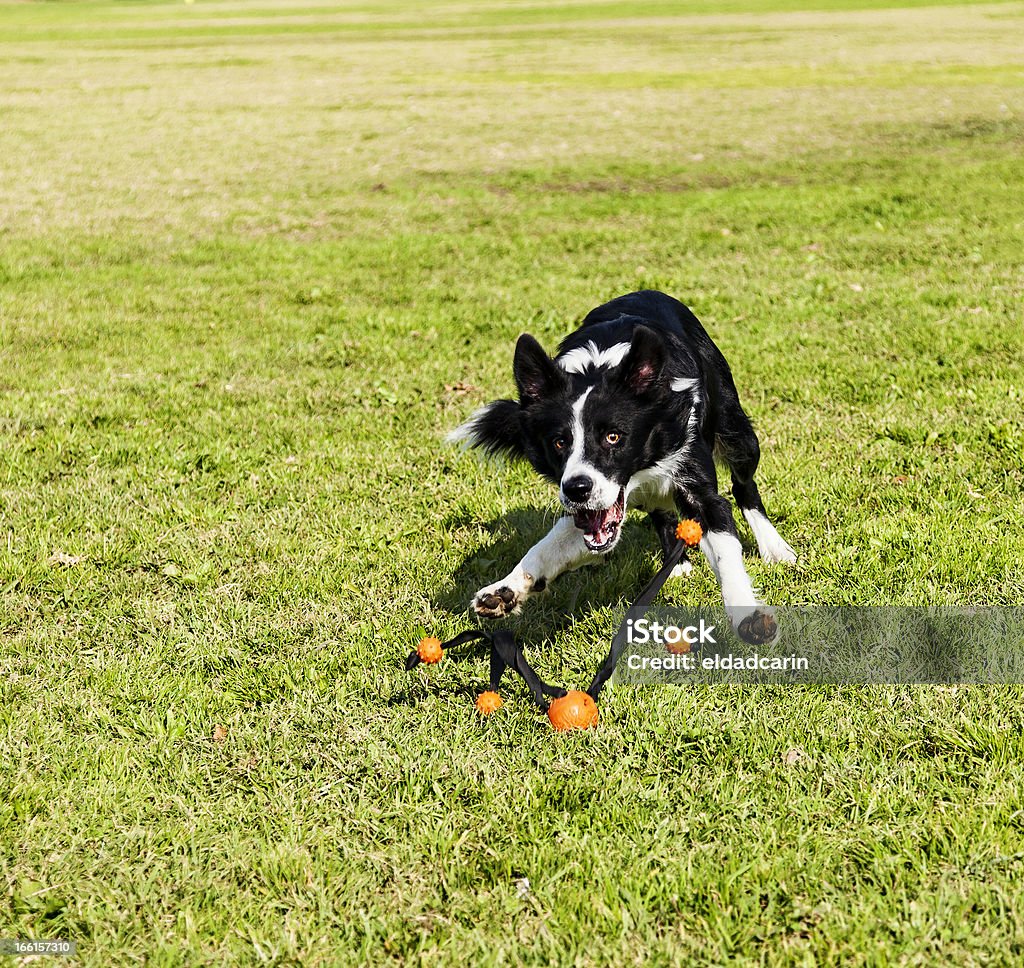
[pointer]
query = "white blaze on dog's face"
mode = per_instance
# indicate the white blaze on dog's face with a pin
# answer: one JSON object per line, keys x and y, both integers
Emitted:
{"x": 591, "y": 422}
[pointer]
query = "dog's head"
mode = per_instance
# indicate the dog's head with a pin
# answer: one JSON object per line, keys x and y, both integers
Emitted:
{"x": 590, "y": 426}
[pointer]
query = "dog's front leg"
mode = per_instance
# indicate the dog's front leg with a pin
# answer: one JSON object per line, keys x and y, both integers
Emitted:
{"x": 561, "y": 549}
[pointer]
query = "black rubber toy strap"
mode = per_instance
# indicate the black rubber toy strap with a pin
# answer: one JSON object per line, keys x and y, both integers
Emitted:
{"x": 507, "y": 653}
{"x": 413, "y": 659}
{"x": 645, "y": 598}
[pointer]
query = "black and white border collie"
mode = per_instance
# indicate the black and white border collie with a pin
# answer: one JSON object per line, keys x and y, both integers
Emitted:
{"x": 632, "y": 411}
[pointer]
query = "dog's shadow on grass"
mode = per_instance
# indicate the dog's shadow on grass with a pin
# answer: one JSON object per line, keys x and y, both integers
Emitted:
{"x": 610, "y": 580}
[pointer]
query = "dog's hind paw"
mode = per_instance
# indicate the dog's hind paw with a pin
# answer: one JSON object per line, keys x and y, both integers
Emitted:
{"x": 682, "y": 570}
{"x": 496, "y": 602}
{"x": 759, "y": 628}
{"x": 778, "y": 552}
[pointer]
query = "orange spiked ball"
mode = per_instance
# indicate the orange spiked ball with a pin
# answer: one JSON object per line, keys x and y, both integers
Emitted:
{"x": 429, "y": 650}
{"x": 575, "y": 710}
{"x": 682, "y": 647}
{"x": 690, "y": 532}
{"x": 487, "y": 703}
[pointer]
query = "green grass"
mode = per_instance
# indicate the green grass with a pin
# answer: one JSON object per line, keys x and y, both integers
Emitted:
{"x": 246, "y": 253}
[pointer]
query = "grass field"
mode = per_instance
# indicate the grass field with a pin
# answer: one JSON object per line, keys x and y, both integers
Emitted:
{"x": 256, "y": 259}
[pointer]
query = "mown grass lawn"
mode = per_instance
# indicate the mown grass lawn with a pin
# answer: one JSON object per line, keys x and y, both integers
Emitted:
{"x": 256, "y": 259}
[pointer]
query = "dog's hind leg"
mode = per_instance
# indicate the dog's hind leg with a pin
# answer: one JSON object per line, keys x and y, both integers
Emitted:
{"x": 737, "y": 444}
{"x": 698, "y": 498}
{"x": 561, "y": 549}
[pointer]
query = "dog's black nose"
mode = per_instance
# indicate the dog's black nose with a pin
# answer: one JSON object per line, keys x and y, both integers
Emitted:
{"x": 577, "y": 488}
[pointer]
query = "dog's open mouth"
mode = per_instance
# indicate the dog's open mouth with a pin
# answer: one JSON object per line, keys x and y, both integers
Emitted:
{"x": 601, "y": 528}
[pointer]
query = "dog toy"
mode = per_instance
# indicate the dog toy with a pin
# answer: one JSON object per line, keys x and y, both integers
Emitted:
{"x": 682, "y": 647}
{"x": 488, "y": 702}
{"x": 689, "y": 532}
{"x": 505, "y": 653}
{"x": 429, "y": 650}
{"x": 575, "y": 710}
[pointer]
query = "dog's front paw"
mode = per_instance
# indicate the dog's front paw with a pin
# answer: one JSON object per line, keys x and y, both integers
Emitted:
{"x": 497, "y": 601}
{"x": 759, "y": 627}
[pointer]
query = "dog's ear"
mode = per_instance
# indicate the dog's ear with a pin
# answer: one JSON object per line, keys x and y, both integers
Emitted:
{"x": 536, "y": 375}
{"x": 495, "y": 428}
{"x": 645, "y": 360}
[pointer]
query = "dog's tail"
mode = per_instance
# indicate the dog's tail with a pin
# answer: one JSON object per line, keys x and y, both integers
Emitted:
{"x": 495, "y": 429}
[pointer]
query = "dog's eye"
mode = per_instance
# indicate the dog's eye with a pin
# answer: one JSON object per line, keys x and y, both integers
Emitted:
{"x": 559, "y": 443}
{"x": 612, "y": 438}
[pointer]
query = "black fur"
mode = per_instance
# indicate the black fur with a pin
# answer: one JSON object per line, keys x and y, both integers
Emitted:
{"x": 497, "y": 429}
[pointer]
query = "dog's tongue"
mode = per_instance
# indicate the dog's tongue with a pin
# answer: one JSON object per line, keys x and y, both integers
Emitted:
{"x": 595, "y": 524}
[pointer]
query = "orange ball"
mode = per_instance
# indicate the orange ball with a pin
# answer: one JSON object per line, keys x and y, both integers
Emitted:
{"x": 689, "y": 531}
{"x": 487, "y": 703}
{"x": 678, "y": 648}
{"x": 575, "y": 710}
{"x": 429, "y": 650}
